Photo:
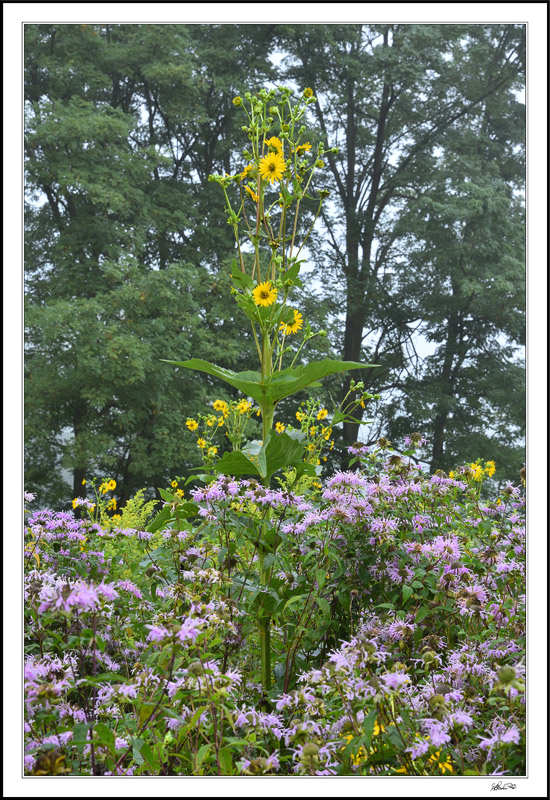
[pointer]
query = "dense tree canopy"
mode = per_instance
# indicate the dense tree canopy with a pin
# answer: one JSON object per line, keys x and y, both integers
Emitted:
{"x": 416, "y": 111}
{"x": 127, "y": 250}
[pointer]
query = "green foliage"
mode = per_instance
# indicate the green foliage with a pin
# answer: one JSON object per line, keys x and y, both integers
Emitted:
{"x": 136, "y": 512}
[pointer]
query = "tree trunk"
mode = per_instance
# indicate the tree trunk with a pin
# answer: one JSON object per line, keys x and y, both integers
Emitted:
{"x": 446, "y": 383}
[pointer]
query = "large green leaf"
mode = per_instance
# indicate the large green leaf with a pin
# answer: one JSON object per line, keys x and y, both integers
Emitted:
{"x": 289, "y": 381}
{"x": 280, "y": 384}
{"x": 278, "y": 451}
{"x": 240, "y": 462}
{"x": 240, "y": 279}
{"x": 282, "y": 451}
{"x": 249, "y": 383}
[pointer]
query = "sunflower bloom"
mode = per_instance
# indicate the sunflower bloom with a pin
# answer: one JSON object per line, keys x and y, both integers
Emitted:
{"x": 252, "y": 194}
{"x": 243, "y": 406}
{"x": 221, "y": 405}
{"x": 322, "y": 414}
{"x": 477, "y": 471}
{"x": 264, "y": 294}
{"x": 192, "y": 424}
{"x": 293, "y": 326}
{"x": 274, "y": 142}
{"x": 279, "y": 427}
{"x": 201, "y": 443}
{"x": 272, "y": 167}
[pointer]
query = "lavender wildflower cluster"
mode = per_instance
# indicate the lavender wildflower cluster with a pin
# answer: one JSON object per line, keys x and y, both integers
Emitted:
{"x": 398, "y": 635}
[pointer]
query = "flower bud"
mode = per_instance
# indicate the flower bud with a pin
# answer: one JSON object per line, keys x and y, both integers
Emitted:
{"x": 237, "y": 101}
{"x": 506, "y": 674}
{"x": 436, "y": 700}
{"x": 310, "y": 749}
{"x": 429, "y": 657}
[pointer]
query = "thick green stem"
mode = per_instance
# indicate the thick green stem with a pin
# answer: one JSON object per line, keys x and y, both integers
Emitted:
{"x": 265, "y": 651}
{"x": 264, "y": 620}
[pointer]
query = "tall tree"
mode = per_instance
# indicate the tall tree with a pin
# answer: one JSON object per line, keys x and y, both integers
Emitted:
{"x": 388, "y": 96}
{"x": 125, "y": 262}
{"x": 465, "y": 279}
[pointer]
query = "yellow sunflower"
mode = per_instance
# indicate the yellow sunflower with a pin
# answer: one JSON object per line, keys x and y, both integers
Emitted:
{"x": 272, "y": 167}
{"x": 274, "y": 142}
{"x": 221, "y": 405}
{"x": 293, "y": 326}
{"x": 264, "y": 294}
{"x": 245, "y": 171}
{"x": 252, "y": 194}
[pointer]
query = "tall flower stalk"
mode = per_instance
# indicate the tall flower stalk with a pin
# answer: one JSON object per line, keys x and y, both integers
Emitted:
{"x": 262, "y": 202}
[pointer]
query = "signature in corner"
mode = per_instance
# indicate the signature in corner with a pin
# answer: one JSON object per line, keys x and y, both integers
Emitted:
{"x": 501, "y": 785}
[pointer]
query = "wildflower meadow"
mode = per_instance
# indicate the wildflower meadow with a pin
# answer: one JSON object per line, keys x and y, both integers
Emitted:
{"x": 267, "y": 618}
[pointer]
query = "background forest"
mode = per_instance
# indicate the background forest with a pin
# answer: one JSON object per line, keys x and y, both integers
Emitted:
{"x": 417, "y": 263}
